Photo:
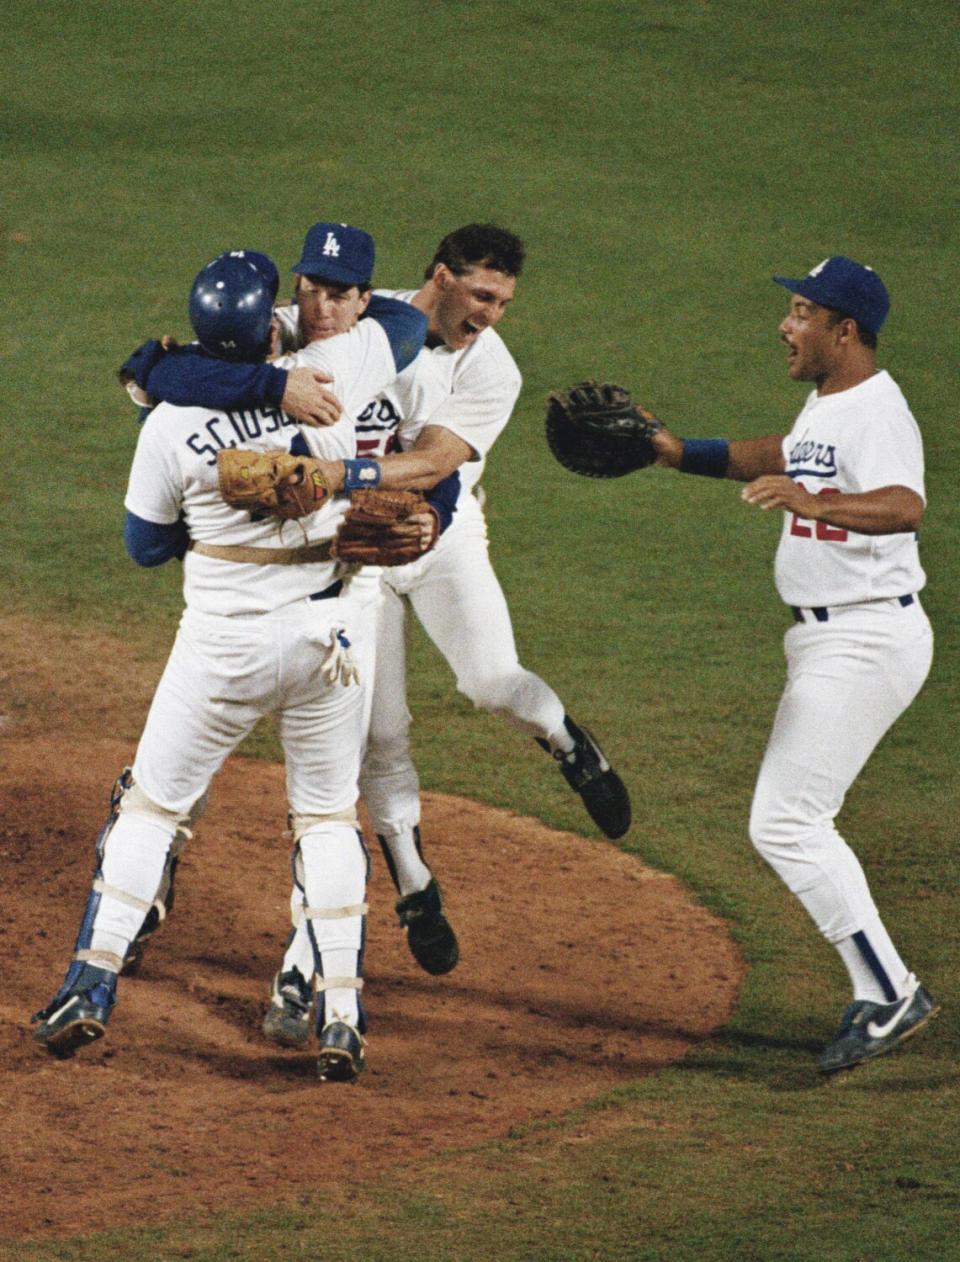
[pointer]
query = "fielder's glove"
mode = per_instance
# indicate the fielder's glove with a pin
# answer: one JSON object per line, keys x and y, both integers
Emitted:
{"x": 272, "y": 482}
{"x": 386, "y": 528}
{"x": 596, "y": 429}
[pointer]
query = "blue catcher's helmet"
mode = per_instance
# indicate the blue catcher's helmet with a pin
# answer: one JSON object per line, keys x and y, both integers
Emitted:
{"x": 231, "y": 305}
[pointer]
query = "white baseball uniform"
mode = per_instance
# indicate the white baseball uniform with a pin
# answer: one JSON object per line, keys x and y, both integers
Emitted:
{"x": 254, "y": 639}
{"x": 856, "y": 657}
{"x": 453, "y": 590}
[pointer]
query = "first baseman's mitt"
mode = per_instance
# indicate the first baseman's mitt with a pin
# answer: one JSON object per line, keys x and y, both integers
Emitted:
{"x": 273, "y": 482}
{"x": 597, "y": 430}
{"x": 377, "y": 529}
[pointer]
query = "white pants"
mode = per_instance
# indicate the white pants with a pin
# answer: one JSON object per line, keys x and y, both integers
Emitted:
{"x": 848, "y": 680}
{"x": 456, "y": 595}
{"x": 223, "y": 675}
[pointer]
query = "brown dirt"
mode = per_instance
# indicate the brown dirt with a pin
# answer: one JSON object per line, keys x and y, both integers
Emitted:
{"x": 580, "y": 970}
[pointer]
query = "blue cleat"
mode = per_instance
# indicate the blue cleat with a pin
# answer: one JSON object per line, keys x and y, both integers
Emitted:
{"x": 78, "y": 1015}
{"x": 870, "y": 1029}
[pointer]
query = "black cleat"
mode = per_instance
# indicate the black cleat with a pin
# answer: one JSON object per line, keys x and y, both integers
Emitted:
{"x": 432, "y": 942}
{"x": 588, "y": 773}
{"x": 288, "y": 1018}
{"x": 341, "y": 1053}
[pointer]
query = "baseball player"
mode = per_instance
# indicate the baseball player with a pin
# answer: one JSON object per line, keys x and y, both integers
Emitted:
{"x": 849, "y": 479}
{"x": 266, "y": 629}
{"x": 445, "y": 413}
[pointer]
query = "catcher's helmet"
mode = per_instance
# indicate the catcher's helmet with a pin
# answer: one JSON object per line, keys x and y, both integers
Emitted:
{"x": 231, "y": 305}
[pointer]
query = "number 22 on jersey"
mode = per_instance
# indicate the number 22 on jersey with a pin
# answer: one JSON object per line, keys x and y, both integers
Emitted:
{"x": 804, "y": 529}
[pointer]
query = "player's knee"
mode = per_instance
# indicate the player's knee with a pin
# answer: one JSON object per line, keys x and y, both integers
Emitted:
{"x": 768, "y": 828}
{"x": 495, "y": 693}
{"x": 179, "y": 824}
{"x": 386, "y": 750}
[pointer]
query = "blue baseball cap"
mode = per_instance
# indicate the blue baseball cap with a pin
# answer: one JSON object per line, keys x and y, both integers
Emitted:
{"x": 338, "y": 252}
{"x": 843, "y": 285}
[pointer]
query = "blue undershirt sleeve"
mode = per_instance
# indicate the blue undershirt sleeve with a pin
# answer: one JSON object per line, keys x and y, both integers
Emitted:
{"x": 187, "y": 376}
{"x": 151, "y": 543}
{"x": 443, "y": 498}
{"x": 405, "y": 327}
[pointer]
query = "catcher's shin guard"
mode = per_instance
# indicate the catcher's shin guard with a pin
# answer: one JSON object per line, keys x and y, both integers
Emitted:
{"x": 81, "y": 946}
{"x": 163, "y": 903}
{"x": 337, "y": 933}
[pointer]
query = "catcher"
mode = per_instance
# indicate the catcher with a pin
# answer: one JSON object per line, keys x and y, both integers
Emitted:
{"x": 260, "y": 609}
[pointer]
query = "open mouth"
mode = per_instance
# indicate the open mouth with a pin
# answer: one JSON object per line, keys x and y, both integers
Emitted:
{"x": 471, "y": 329}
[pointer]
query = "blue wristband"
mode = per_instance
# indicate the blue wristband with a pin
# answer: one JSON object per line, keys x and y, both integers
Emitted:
{"x": 710, "y": 457}
{"x": 361, "y": 475}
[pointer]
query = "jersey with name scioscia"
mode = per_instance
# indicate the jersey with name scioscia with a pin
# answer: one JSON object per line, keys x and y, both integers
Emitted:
{"x": 174, "y": 472}
{"x": 858, "y": 440}
{"x": 471, "y": 392}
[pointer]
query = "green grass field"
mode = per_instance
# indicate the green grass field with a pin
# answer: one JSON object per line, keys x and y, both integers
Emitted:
{"x": 661, "y": 160}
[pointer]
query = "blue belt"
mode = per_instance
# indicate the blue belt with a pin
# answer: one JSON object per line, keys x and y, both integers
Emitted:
{"x": 334, "y": 590}
{"x": 822, "y": 612}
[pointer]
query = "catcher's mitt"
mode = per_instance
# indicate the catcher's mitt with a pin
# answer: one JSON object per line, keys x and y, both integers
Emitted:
{"x": 597, "y": 430}
{"x": 377, "y": 529}
{"x": 273, "y": 482}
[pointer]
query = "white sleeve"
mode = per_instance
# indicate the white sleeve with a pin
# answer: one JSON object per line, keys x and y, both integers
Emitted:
{"x": 485, "y": 388}
{"x": 361, "y": 363}
{"x": 890, "y": 454}
{"x": 155, "y": 489}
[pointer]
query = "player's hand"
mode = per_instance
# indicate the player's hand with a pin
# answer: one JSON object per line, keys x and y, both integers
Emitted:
{"x": 778, "y": 491}
{"x": 419, "y": 528}
{"x": 306, "y": 400}
{"x": 169, "y": 342}
{"x": 331, "y": 471}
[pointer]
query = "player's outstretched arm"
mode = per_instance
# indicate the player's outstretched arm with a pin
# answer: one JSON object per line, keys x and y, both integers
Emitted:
{"x": 741, "y": 459}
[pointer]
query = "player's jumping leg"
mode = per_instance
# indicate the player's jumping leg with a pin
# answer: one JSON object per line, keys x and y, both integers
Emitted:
{"x": 390, "y": 789}
{"x": 845, "y": 689}
{"x": 464, "y": 611}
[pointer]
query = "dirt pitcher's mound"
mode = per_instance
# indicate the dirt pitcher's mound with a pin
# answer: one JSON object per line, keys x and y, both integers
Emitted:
{"x": 580, "y": 969}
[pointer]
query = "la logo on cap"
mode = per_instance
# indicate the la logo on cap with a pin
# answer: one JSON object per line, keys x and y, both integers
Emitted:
{"x": 331, "y": 247}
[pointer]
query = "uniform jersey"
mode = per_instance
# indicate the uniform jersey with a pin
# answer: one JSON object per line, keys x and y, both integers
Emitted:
{"x": 854, "y": 441}
{"x": 470, "y": 392}
{"x": 175, "y": 471}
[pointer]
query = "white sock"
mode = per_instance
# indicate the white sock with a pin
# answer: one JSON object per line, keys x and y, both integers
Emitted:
{"x": 413, "y": 874}
{"x": 561, "y": 741}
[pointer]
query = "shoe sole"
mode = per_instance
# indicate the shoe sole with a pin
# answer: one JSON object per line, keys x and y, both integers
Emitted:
{"x": 434, "y": 958}
{"x": 72, "y": 1037}
{"x": 607, "y": 802}
{"x": 336, "y": 1065}
{"x": 889, "y": 1047}
{"x": 284, "y": 1032}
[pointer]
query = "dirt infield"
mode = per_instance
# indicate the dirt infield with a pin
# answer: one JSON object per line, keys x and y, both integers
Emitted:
{"x": 580, "y": 970}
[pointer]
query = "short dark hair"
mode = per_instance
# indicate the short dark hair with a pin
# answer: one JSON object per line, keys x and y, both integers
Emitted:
{"x": 479, "y": 245}
{"x": 866, "y": 337}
